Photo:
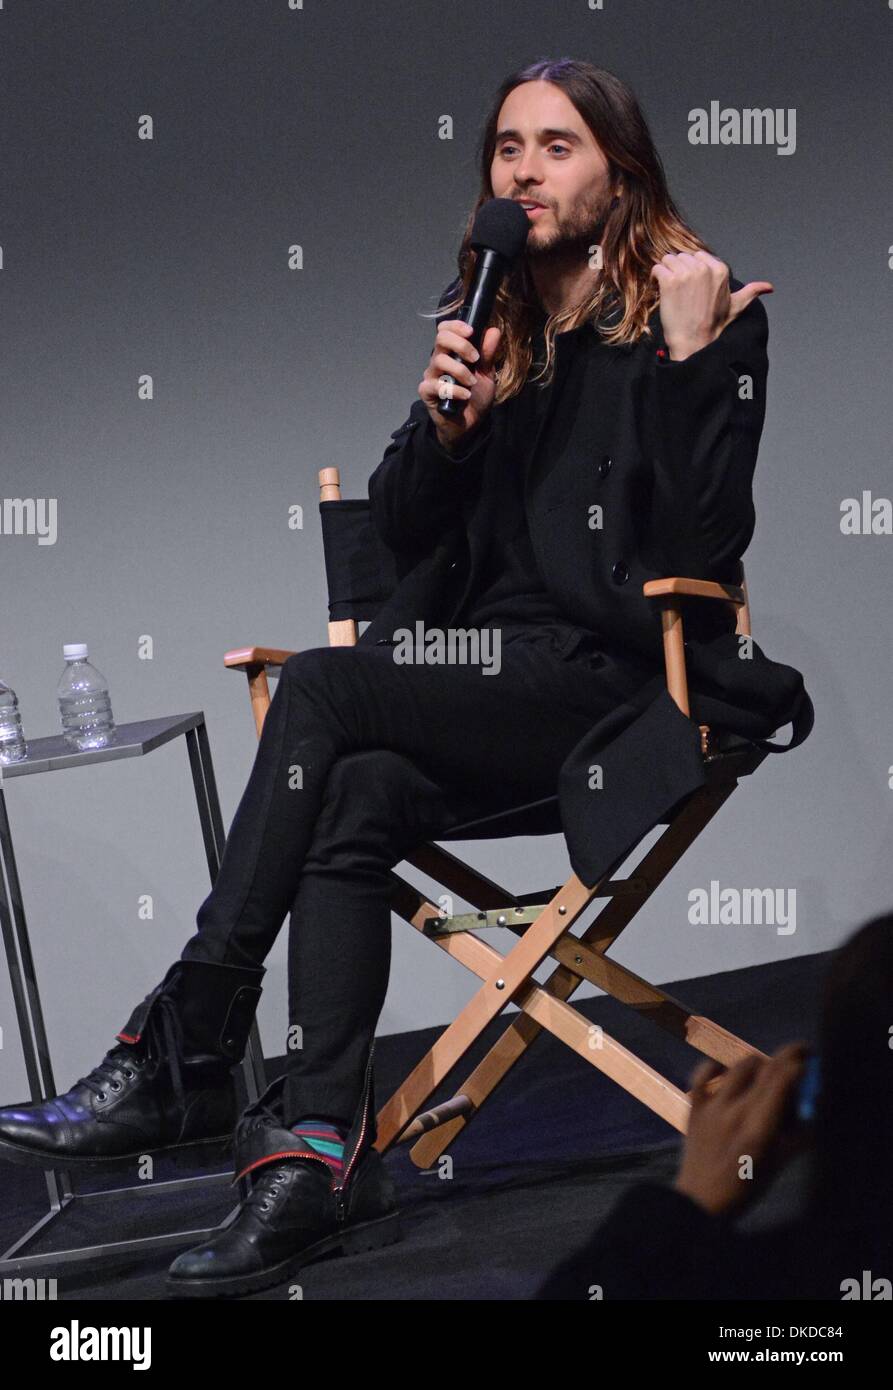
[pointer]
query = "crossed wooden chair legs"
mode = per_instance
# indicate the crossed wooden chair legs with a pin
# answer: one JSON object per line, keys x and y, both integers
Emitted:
{"x": 509, "y": 977}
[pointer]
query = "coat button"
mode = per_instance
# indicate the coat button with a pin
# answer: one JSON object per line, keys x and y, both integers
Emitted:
{"x": 620, "y": 572}
{"x": 604, "y": 467}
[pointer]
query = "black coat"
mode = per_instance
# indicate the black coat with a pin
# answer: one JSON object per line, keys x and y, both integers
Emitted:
{"x": 668, "y": 450}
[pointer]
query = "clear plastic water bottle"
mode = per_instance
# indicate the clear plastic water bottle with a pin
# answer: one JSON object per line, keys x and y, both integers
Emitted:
{"x": 84, "y": 703}
{"x": 13, "y": 747}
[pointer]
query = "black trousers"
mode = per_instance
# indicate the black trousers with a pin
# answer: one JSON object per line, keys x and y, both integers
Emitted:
{"x": 361, "y": 759}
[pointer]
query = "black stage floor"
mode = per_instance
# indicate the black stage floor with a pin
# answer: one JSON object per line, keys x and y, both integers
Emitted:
{"x": 539, "y": 1167}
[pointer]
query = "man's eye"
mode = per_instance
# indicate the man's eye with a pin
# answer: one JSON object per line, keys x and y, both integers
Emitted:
{"x": 564, "y": 148}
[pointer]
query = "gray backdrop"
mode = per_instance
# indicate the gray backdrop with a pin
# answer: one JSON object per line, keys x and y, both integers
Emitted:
{"x": 319, "y": 127}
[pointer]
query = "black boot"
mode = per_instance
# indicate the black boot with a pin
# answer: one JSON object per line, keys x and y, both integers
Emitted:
{"x": 296, "y": 1210}
{"x": 169, "y": 1082}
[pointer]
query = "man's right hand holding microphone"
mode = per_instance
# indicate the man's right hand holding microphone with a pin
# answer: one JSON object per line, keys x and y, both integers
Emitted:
{"x": 473, "y": 375}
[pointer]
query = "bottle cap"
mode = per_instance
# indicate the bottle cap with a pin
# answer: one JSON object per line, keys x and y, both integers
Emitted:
{"x": 73, "y": 650}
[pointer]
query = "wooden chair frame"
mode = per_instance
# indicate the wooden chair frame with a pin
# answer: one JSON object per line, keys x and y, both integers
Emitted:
{"x": 543, "y": 922}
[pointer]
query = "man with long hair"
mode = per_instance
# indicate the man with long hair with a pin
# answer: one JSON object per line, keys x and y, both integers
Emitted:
{"x": 618, "y": 348}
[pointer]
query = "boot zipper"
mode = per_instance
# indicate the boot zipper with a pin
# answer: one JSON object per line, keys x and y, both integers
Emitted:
{"x": 339, "y": 1191}
{"x": 272, "y": 1158}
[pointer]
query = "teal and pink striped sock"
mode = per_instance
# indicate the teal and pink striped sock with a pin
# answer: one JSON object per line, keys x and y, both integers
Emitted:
{"x": 323, "y": 1137}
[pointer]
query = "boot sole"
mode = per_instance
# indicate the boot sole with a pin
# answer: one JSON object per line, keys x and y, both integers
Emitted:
{"x": 217, "y": 1150}
{"x": 355, "y": 1240}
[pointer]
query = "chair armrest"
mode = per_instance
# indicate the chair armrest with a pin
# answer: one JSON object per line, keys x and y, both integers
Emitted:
{"x": 240, "y": 658}
{"x": 694, "y": 588}
{"x": 255, "y": 661}
{"x": 669, "y": 591}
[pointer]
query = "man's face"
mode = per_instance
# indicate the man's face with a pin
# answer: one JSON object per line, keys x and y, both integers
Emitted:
{"x": 546, "y": 152}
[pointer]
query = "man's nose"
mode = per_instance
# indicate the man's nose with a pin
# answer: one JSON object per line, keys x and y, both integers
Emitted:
{"x": 528, "y": 170}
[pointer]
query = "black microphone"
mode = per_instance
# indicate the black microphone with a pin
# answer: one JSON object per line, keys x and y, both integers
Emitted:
{"x": 499, "y": 235}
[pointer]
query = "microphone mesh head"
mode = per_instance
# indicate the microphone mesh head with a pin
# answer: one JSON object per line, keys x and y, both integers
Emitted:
{"x": 501, "y": 225}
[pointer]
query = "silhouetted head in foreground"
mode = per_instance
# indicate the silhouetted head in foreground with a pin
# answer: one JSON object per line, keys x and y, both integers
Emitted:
{"x": 853, "y": 1153}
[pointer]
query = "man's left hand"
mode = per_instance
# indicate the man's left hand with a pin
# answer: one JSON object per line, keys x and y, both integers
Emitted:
{"x": 696, "y": 303}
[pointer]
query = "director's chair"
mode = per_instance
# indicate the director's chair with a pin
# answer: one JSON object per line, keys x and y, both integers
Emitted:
{"x": 361, "y": 575}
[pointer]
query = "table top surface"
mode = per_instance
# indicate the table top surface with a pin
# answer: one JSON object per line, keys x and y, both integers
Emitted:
{"x": 128, "y": 741}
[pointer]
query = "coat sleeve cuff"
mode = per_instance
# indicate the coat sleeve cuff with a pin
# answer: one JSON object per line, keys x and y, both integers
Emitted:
{"x": 428, "y": 446}
{"x": 692, "y": 381}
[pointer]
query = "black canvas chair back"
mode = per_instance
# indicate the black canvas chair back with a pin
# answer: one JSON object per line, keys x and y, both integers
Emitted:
{"x": 361, "y": 572}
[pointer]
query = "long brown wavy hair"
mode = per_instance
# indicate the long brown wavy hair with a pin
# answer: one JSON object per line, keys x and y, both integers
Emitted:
{"x": 641, "y": 225}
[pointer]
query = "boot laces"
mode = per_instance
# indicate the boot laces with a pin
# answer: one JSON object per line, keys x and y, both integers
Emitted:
{"x": 264, "y": 1192}
{"x": 263, "y": 1115}
{"x": 265, "y": 1189}
{"x": 266, "y": 1181}
{"x": 163, "y": 1033}
{"x": 105, "y": 1076}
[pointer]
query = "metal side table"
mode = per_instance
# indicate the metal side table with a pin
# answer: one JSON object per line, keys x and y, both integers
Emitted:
{"x": 51, "y": 755}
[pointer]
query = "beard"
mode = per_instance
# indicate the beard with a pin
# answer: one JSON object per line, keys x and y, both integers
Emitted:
{"x": 573, "y": 236}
